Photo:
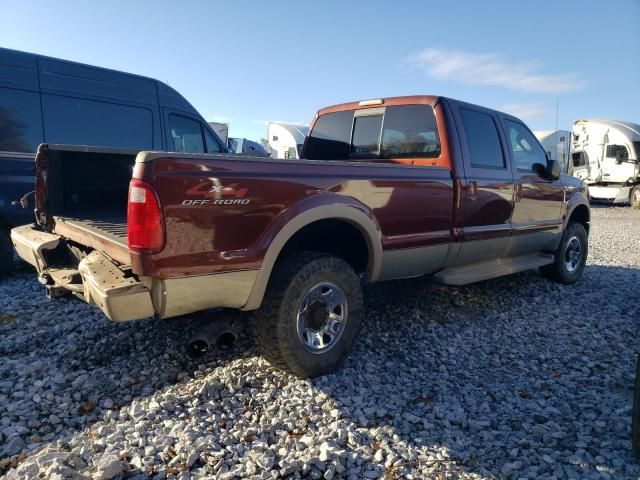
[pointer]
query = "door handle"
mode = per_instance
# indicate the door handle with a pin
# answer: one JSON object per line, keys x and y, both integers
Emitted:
{"x": 473, "y": 190}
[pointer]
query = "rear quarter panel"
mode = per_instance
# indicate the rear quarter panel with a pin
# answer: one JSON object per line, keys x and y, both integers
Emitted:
{"x": 409, "y": 206}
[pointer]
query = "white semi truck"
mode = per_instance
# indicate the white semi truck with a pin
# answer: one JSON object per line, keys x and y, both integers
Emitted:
{"x": 606, "y": 154}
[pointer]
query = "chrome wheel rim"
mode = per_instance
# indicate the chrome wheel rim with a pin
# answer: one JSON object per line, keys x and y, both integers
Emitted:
{"x": 636, "y": 197}
{"x": 572, "y": 254}
{"x": 321, "y": 317}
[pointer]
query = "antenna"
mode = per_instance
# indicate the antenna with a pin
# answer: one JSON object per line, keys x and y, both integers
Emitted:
{"x": 557, "y": 103}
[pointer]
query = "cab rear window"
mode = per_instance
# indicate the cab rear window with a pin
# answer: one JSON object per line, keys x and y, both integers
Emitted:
{"x": 403, "y": 131}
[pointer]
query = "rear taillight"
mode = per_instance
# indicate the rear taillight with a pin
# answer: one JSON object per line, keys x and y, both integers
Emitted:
{"x": 145, "y": 225}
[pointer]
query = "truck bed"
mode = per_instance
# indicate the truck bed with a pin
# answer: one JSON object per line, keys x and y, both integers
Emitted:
{"x": 106, "y": 233}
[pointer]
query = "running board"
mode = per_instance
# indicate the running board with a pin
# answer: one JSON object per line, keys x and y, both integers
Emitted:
{"x": 492, "y": 269}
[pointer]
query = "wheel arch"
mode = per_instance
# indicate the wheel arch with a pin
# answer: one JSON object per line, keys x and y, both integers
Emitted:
{"x": 338, "y": 213}
{"x": 580, "y": 213}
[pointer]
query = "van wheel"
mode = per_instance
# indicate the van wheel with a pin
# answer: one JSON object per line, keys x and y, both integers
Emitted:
{"x": 635, "y": 422}
{"x": 570, "y": 257}
{"x": 635, "y": 197}
{"x": 6, "y": 254}
{"x": 310, "y": 315}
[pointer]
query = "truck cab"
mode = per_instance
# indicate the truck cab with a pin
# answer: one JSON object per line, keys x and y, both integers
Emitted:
{"x": 606, "y": 155}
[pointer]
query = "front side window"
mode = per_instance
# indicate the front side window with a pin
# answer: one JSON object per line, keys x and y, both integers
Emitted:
{"x": 482, "y": 139}
{"x": 614, "y": 150}
{"x": 410, "y": 131}
{"x": 329, "y": 139}
{"x": 186, "y": 135}
{"x": 366, "y": 136}
{"x": 525, "y": 149}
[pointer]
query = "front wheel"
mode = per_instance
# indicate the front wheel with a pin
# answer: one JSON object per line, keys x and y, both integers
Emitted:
{"x": 570, "y": 257}
{"x": 635, "y": 197}
{"x": 310, "y": 315}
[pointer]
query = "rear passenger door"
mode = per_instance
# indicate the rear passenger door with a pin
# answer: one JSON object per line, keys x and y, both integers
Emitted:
{"x": 537, "y": 214}
{"x": 488, "y": 195}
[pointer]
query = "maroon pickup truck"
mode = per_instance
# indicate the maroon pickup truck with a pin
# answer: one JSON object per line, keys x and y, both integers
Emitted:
{"x": 386, "y": 189}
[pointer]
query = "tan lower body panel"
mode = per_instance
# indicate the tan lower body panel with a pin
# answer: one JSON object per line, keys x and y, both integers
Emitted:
{"x": 178, "y": 296}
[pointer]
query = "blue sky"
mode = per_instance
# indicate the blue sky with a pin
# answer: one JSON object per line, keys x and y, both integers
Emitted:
{"x": 249, "y": 62}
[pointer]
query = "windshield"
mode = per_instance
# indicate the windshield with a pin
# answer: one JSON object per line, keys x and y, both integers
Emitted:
{"x": 636, "y": 147}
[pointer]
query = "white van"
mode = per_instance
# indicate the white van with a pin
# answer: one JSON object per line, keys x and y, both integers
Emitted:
{"x": 606, "y": 153}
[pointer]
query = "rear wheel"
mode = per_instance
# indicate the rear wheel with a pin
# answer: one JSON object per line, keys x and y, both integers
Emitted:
{"x": 6, "y": 253}
{"x": 570, "y": 257}
{"x": 635, "y": 197}
{"x": 635, "y": 423}
{"x": 310, "y": 315}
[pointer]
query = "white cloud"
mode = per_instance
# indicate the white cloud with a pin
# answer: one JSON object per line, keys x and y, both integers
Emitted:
{"x": 491, "y": 69}
{"x": 526, "y": 111}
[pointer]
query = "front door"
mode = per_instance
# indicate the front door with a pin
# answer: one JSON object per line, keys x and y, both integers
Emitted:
{"x": 615, "y": 164}
{"x": 537, "y": 216}
{"x": 487, "y": 198}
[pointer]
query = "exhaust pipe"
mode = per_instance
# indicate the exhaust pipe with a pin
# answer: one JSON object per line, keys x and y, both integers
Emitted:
{"x": 224, "y": 329}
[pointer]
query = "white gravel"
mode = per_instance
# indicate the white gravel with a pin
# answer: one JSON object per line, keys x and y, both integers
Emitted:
{"x": 511, "y": 378}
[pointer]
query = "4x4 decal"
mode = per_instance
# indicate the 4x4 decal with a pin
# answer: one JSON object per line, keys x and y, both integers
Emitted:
{"x": 214, "y": 193}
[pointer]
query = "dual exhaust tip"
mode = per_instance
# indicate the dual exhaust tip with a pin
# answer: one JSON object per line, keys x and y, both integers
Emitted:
{"x": 224, "y": 330}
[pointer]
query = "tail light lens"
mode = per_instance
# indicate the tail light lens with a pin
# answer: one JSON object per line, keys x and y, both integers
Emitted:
{"x": 145, "y": 225}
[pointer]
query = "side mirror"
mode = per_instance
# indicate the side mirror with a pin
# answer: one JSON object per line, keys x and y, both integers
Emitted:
{"x": 553, "y": 169}
{"x": 622, "y": 156}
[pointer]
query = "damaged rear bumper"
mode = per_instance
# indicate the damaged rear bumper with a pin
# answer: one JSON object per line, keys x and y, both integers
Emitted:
{"x": 120, "y": 295}
{"x": 99, "y": 280}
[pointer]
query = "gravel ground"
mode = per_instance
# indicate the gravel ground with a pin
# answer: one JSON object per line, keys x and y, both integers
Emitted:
{"x": 512, "y": 378}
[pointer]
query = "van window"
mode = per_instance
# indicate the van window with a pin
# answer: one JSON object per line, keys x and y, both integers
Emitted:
{"x": 20, "y": 120}
{"x": 330, "y": 137}
{"x": 525, "y": 149}
{"x": 186, "y": 135}
{"x": 410, "y": 131}
{"x": 213, "y": 146}
{"x": 482, "y": 139}
{"x": 366, "y": 136}
{"x": 88, "y": 122}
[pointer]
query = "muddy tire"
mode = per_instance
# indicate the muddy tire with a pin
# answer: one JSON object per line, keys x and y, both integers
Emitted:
{"x": 570, "y": 257}
{"x": 635, "y": 422}
{"x": 634, "y": 198}
{"x": 310, "y": 315}
{"x": 6, "y": 254}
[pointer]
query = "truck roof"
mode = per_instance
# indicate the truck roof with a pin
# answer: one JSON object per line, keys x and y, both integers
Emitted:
{"x": 378, "y": 102}
{"x": 630, "y": 129}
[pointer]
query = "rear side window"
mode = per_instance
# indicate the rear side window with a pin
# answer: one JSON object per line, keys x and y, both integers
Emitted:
{"x": 410, "y": 131}
{"x": 366, "y": 136}
{"x": 482, "y": 139}
{"x": 20, "y": 120}
{"x": 87, "y": 122}
{"x": 330, "y": 137}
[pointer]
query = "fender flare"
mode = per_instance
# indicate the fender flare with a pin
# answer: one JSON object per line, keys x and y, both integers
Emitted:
{"x": 577, "y": 199}
{"x": 345, "y": 212}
